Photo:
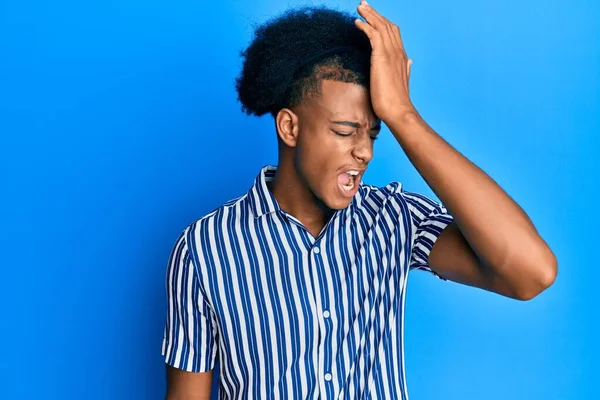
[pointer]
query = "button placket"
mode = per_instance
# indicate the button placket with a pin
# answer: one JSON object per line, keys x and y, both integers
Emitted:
{"x": 326, "y": 314}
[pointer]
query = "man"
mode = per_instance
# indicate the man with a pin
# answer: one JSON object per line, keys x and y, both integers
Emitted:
{"x": 298, "y": 286}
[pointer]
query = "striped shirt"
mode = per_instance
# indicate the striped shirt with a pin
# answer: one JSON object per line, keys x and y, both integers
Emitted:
{"x": 292, "y": 316}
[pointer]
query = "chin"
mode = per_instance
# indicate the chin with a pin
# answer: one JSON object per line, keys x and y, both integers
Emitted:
{"x": 336, "y": 197}
{"x": 336, "y": 202}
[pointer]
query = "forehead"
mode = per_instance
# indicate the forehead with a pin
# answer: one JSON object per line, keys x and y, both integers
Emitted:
{"x": 342, "y": 99}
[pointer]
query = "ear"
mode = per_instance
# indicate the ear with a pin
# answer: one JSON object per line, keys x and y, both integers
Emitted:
{"x": 286, "y": 123}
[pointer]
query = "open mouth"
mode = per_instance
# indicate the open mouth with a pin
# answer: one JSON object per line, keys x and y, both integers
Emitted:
{"x": 348, "y": 180}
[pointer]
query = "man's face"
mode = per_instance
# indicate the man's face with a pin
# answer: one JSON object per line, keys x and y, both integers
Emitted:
{"x": 336, "y": 131}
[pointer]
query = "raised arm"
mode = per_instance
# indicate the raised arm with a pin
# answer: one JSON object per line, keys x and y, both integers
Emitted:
{"x": 492, "y": 243}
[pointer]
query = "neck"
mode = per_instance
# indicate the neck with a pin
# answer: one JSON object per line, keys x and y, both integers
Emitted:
{"x": 295, "y": 198}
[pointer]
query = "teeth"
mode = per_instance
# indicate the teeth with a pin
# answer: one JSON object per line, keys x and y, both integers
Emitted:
{"x": 353, "y": 173}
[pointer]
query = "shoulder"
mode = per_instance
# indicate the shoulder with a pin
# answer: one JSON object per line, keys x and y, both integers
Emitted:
{"x": 418, "y": 205}
{"x": 387, "y": 201}
{"x": 233, "y": 205}
{"x": 213, "y": 219}
{"x": 393, "y": 191}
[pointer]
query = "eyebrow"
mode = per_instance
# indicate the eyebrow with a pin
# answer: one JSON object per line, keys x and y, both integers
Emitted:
{"x": 356, "y": 125}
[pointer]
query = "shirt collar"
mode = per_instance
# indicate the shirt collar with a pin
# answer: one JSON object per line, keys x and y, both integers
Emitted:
{"x": 260, "y": 198}
{"x": 263, "y": 202}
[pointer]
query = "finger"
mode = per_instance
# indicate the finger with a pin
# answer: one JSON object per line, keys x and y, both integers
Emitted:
{"x": 380, "y": 18}
{"x": 383, "y": 21}
{"x": 369, "y": 14}
{"x": 409, "y": 63}
{"x": 379, "y": 23}
{"x": 397, "y": 37}
{"x": 373, "y": 34}
{"x": 393, "y": 29}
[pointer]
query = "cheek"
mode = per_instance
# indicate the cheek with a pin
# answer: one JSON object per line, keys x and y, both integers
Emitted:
{"x": 319, "y": 161}
{"x": 321, "y": 154}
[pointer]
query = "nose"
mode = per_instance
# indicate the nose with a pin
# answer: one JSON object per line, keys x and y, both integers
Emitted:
{"x": 363, "y": 148}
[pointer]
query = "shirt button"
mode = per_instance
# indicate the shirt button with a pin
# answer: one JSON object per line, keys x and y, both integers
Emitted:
{"x": 316, "y": 250}
{"x": 328, "y": 377}
{"x": 326, "y": 314}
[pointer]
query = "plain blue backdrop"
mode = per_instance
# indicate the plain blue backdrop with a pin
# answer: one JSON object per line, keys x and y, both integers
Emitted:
{"x": 119, "y": 125}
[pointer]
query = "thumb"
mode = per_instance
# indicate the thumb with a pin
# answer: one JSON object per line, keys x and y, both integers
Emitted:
{"x": 409, "y": 63}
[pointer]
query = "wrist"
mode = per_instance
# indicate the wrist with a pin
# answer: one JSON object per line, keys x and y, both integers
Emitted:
{"x": 404, "y": 120}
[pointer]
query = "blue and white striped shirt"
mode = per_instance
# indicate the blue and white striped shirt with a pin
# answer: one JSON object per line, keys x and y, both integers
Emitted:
{"x": 291, "y": 316}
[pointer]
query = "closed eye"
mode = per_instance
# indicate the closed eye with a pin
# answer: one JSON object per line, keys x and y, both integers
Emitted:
{"x": 345, "y": 134}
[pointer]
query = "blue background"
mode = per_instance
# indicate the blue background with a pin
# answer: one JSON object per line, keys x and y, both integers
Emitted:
{"x": 119, "y": 125}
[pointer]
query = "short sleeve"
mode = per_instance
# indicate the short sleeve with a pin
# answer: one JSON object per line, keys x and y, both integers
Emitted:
{"x": 429, "y": 218}
{"x": 189, "y": 341}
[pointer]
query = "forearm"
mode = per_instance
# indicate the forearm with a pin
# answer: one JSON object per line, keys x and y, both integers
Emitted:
{"x": 497, "y": 229}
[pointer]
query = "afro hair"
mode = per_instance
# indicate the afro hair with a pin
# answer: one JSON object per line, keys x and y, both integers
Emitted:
{"x": 280, "y": 68}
